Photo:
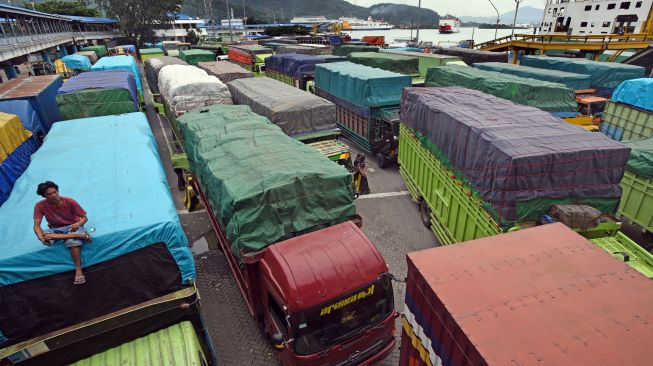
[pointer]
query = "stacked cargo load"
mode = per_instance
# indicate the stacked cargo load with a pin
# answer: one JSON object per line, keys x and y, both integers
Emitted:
{"x": 346, "y": 49}
{"x": 154, "y": 65}
{"x": 225, "y": 71}
{"x": 252, "y": 173}
{"x": 77, "y": 62}
{"x": 295, "y": 69}
{"x": 148, "y": 53}
{"x": 470, "y": 56}
{"x": 407, "y": 65}
{"x": 251, "y": 58}
{"x": 301, "y": 115}
{"x": 571, "y": 80}
{"x": 367, "y": 101}
{"x": 95, "y": 94}
{"x": 127, "y": 63}
{"x": 32, "y": 99}
{"x": 604, "y": 76}
{"x": 139, "y": 250}
{"x": 302, "y": 50}
{"x": 513, "y": 299}
{"x": 550, "y": 97}
{"x": 192, "y": 57}
{"x": 100, "y": 50}
{"x": 186, "y": 88}
{"x": 92, "y": 56}
{"x": 481, "y": 164}
{"x": 629, "y": 117}
{"x": 16, "y": 148}
{"x": 125, "y": 48}
{"x": 425, "y": 60}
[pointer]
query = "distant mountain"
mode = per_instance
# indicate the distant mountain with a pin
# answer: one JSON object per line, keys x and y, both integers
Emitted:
{"x": 526, "y": 14}
{"x": 283, "y": 10}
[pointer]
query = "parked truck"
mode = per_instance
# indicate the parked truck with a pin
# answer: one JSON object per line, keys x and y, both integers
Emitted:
{"x": 138, "y": 269}
{"x": 300, "y": 114}
{"x": 517, "y": 299}
{"x": 251, "y": 58}
{"x": 367, "y": 101}
{"x": 285, "y": 219}
{"x": 476, "y": 175}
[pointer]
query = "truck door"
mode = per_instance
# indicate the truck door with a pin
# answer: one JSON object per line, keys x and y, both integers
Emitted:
{"x": 276, "y": 323}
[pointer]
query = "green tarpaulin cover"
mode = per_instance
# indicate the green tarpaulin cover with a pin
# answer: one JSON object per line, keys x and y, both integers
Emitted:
{"x": 151, "y": 51}
{"x": 99, "y": 50}
{"x": 95, "y": 103}
{"x": 346, "y": 49}
{"x": 572, "y": 80}
{"x": 602, "y": 74}
{"x": 192, "y": 57}
{"x": 550, "y": 97}
{"x": 361, "y": 85}
{"x": 426, "y": 60}
{"x": 406, "y": 65}
{"x": 263, "y": 186}
{"x": 641, "y": 157}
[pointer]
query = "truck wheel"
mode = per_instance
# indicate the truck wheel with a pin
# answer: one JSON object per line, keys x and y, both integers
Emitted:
{"x": 381, "y": 161}
{"x": 425, "y": 213}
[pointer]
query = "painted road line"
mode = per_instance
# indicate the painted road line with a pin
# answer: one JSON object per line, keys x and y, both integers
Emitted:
{"x": 383, "y": 195}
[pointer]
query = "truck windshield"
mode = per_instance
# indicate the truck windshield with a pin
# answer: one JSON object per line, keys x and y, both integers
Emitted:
{"x": 320, "y": 328}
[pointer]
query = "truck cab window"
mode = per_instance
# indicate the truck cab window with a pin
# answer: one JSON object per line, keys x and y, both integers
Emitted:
{"x": 278, "y": 315}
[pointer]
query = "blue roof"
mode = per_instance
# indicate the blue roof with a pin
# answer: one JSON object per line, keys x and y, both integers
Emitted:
{"x": 90, "y": 19}
{"x": 120, "y": 182}
{"x": 17, "y": 9}
{"x": 182, "y": 16}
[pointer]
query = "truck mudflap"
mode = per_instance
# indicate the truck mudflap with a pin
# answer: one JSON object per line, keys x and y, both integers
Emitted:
{"x": 95, "y": 335}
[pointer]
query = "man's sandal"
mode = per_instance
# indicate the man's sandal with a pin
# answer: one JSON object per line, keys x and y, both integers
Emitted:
{"x": 79, "y": 280}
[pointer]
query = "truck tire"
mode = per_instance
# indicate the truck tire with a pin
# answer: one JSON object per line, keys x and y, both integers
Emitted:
{"x": 381, "y": 160}
{"x": 425, "y": 213}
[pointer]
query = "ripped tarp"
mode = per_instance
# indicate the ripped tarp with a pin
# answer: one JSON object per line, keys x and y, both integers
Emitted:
{"x": 519, "y": 160}
{"x": 152, "y": 67}
{"x": 297, "y": 112}
{"x": 550, "y": 97}
{"x": 186, "y": 88}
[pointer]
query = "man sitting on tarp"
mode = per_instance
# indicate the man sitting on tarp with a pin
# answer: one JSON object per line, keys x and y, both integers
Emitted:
{"x": 66, "y": 219}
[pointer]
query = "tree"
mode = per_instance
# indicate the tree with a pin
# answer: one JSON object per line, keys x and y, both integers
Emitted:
{"x": 139, "y": 18}
{"x": 192, "y": 37}
{"x": 64, "y": 8}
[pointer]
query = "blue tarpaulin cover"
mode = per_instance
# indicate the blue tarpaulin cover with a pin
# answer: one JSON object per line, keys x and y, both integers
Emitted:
{"x": 637, "y": 92}
{"x": 120, "y": 63}
{"x": 130, "y": 48}
{"x": 77, "y": 62}
{"x": 14, "y": 165}
{"x": 33, "y": 99}
{"x": 113, "y": 79}
{"x": 111, "y": 166}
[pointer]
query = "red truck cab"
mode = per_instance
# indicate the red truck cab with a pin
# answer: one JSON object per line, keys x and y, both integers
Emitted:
{"x": 325, "y": 298}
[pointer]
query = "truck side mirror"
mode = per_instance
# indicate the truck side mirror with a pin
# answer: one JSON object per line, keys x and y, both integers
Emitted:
{"x": 277, "y": 342}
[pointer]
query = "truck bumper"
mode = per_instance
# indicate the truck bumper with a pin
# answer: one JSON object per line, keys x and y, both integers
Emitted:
{"x": 383, "y": 353}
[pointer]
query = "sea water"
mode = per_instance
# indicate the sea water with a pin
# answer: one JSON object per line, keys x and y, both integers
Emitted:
{"x": 444, "y": 40}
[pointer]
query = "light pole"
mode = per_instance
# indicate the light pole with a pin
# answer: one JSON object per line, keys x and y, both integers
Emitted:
{"x": 514, "y": 21}
{"x": 419, "y": 6}
{"x": 231, "y": 34}
{"x": 496, "y": 28}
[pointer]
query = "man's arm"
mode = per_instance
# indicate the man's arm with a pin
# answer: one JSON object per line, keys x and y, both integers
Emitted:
{"x": 79, "y": 223}
{"x": 37, "y": 229}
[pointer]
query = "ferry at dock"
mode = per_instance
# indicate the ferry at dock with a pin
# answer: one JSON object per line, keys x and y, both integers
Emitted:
{"x": 449, "y": 24}
{"x": 359, "y": 24}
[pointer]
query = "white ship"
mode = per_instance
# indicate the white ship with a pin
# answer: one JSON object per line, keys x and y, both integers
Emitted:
{"x": 359, "y": 24}
{"x": 594, "y": 16}
{"x": 449, "y": 24}
{"x": 310, "y": 20}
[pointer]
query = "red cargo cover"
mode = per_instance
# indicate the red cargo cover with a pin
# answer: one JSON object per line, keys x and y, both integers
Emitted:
{"x": 240, "y": 56}
{"x": 541, "y": 296}
{"x": 374, "y": 40}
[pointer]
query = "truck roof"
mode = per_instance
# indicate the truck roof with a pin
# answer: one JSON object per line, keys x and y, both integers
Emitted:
{"x": 541, "y": 296}
{"x": 320, "y": 266}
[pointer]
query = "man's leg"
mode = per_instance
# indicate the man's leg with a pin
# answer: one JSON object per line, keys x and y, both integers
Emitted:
{"x": 76, "y": 253}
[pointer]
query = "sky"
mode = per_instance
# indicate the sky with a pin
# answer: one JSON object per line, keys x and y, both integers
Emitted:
{"x": 459, "y": 7}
